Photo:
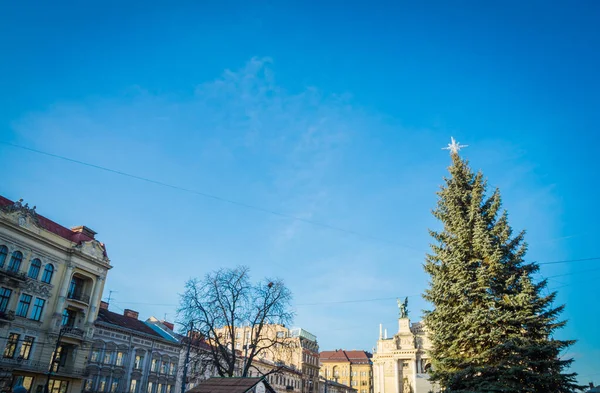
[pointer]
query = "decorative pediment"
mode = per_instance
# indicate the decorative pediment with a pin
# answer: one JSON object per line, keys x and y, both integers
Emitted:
{"x": 92, "y": 248}
{"x": 37, "y": 288}
{"x": 22, "y": 214}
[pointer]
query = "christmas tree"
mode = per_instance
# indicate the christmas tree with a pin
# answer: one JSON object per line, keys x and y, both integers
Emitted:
{"x": 490, "y": 325}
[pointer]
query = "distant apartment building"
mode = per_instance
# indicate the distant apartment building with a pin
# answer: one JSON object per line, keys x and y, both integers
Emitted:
{"x": 350, "y": 368}
{"x": 300, "y": 352}
{"x": 51, "y": 281}
{"x": 200, "y": 366}
{"x": 129, "y": 355}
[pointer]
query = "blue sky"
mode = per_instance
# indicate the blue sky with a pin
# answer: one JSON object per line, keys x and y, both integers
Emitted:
{"x": 328, "y": 113}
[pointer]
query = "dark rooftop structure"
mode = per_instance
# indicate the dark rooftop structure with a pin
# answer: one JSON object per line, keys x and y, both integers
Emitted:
{"x": 231, "y": 385}
{"x": 127, "y": 321}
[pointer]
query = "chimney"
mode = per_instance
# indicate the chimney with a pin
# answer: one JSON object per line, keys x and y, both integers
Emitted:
{"x": 131, "y": 314}
{"x": 168, "y": 324}
{"x": 380, "y": 331}
{"x": 103, "y": 305}
{"x": 84, "y": 230}
{"x": 385, "y": 334}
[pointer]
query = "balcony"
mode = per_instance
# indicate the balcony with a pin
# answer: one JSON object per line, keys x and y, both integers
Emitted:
{"x": 73, "y": 332}
{"x": 7, "y": 315}
{"x": 19, "y": 363}
{"x": 14, "y": 274}
{"x": 80, "y": 297}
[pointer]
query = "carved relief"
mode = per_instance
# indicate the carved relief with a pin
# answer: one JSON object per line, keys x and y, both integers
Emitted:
{"x": 92, "y": 248}
{"x": 23, "y": 215}
{"x": 38, "y": 288}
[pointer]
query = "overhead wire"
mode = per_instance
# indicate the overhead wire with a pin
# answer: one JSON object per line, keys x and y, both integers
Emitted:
{"x": 211, "y": 196}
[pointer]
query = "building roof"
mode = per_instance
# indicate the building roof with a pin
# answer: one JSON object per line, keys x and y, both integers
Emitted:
{"x": 119, "y": 320}
{"x": 340, "y": 355}
{"x": 163, "y": 330}
{"x": 230, "y": 385}
{"x": 51, "y": 226}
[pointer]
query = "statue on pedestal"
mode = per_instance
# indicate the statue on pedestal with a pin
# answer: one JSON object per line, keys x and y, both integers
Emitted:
{"x": 403, "y": 307}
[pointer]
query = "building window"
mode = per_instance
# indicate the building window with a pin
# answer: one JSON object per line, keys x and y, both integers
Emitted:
{"x": 23, "y": 307}
{"x": 169, "y": 388}
{"x": 133, "y": 386}
{"x": 25, "y": 350}
{"x": 38, "y": 308}
{"x": 114, "y": 385}
{"x": 107, "y": 358}
{"x": 150, "y": 387}
{"x": 95, "y": 355}
{"x": 68, "y": 317}
{"x": 172, "y": 368}
{"x": 48, "y": 271}
{"x": 56, "y": 386}
{"x": 4, "y": 298}
{"x": 102, "y": 384}
{"x": 15, "y": 261}
{"x": 280, "y": 334}
{"x": 154, "y": 365}
{"x": 11, "y": 345}
{"x": 163, "y": 368}
{"x": 3, "y": 254}
{"x": 89, "y": 384}
{"x": 138, "y": 362}
{"x": 119, "y": 361}
{"x": 34, "y": 268}
{"x": 159, "y": 388}
{"x": 75, "y": 288}
{"x": 353, "y": 383}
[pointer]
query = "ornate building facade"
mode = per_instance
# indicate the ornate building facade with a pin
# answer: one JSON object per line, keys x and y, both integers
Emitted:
{"x": 128, "y": 355}
{"x": 51, "y": 282}
{"x": 400, "y": 363}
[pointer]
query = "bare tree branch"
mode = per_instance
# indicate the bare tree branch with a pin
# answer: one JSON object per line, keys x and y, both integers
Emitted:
{"x": 225, "y": 303}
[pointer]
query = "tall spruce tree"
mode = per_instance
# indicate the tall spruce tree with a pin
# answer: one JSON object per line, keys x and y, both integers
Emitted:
{"x": 491, "y": 327}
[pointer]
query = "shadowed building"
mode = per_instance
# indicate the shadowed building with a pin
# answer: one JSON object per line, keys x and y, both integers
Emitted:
{"x": 128, "y": 355}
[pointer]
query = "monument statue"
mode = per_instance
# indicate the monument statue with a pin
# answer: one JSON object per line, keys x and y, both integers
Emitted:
{"x": 403, "y": 307}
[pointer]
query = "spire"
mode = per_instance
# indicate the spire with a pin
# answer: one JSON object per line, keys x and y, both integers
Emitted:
{"x": 380, "y": 331}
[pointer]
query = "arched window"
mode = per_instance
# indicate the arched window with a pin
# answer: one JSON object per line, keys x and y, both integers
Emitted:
{"x": 48, "y": 272}
{"x": 3, "y": 254}
{"x": 34, "y": 268}
{"x": 15, "y": 261}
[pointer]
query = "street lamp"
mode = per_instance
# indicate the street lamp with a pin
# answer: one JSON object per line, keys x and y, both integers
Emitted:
{"x": 61, "y": 333}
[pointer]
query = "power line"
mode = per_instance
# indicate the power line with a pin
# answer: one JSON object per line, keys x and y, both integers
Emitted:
{"x": 210, "y": 196}
{"x": 569, "y": 261}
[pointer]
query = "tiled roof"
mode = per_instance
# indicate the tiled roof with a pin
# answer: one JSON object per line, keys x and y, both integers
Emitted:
{"x": 53, "y": 227}
{"x": 340, "y": 355}
{"x": 229, "y": 385}
{"x": 119, "y": 320}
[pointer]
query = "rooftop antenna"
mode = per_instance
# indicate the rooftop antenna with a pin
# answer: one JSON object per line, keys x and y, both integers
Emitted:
{"x": 110, "y": 296}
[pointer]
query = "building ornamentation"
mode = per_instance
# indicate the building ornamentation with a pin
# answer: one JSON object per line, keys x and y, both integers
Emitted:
{"x": 38, "y": 288}
{"x": 92, "y": 248}
{"x": 401, "y": 363}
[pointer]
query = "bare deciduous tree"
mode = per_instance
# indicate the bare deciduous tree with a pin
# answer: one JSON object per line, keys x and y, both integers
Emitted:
{"x": 226, "y": 301}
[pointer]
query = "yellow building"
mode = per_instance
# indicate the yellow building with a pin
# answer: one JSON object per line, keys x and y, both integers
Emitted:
{"x": 51, "y": 282}
{"x": 350, "y": 368}
{"x": 300, "y": 351}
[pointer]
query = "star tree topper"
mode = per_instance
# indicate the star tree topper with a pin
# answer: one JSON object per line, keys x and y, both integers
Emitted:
{"x": 454, "y": 147}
